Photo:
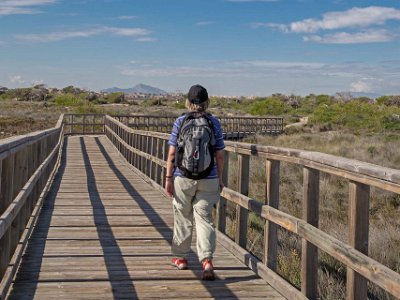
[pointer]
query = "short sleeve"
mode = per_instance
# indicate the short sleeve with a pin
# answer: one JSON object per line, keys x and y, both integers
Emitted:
{"x": 219, "y": 136}
{"x": 175, "y": 130}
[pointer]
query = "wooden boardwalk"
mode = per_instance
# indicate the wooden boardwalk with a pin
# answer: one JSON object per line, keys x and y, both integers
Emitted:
{"x": 104, "y": 233}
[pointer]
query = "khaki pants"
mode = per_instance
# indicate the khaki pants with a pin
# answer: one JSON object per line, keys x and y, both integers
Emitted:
{"x": 194, "y": 198}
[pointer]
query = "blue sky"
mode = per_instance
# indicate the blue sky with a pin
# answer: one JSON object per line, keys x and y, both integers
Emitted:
{"x": 233, "y": 47}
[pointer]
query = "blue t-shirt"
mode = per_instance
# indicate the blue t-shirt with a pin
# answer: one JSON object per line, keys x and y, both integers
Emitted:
{"x": 219, "y": 141}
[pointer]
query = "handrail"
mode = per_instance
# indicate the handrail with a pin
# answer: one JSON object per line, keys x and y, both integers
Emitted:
{"x": 239, "y": 125}
{"x": 26, "y": 163}
{"x": 146, "y": 152}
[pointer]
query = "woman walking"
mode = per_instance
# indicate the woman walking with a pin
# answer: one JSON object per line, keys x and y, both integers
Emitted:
{"x": 194, "y": 179}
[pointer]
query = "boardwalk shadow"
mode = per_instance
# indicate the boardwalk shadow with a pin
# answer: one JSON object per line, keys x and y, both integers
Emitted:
{"x": 29, "y": 270}
{"x": 111, "y": 250}
{"x": 157, "y": 221}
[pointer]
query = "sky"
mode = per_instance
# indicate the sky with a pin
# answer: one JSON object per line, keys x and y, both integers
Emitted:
{"x": 232, "y": 47}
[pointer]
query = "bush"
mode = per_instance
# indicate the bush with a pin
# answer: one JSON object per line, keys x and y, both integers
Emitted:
{"x": 357, "y": 115}
{"x": 117, "y": 97}
{"x": 269, "y": 106}
{"x": 68, "y": 100}
{"x": 389, "y": 100}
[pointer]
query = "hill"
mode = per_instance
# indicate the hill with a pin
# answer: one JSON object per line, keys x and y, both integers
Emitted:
{"x": 137, "y": 89}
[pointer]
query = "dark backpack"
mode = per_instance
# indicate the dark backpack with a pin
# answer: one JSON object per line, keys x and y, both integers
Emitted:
{"x": 195, "y": 146}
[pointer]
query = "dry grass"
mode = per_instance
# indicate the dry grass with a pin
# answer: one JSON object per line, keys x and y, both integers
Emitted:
{"x": 22, "y": 117}
{"x": 384, "y": 206}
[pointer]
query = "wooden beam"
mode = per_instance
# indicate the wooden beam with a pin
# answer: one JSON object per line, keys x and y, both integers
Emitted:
{"x": 243, "y": 188}
{"x": 271, "y": 199}
{"x": 221, "y": 207}
{"x": 309, "y": 252}
{"x": 358, "y": 236}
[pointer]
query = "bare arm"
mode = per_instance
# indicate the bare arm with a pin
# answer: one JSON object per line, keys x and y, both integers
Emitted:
{"x": 169, "y": 180}
{"x": 219, "y": 155}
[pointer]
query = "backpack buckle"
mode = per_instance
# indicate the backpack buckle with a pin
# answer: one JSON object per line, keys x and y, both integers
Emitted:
{"x": 196, "y": 155}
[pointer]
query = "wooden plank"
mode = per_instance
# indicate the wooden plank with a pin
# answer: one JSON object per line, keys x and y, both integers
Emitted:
{"x": 271, "y": 199}
{"x": 309, "y": 252}
{"x": 113, "y": 255}
{"x": 358, "y": 236}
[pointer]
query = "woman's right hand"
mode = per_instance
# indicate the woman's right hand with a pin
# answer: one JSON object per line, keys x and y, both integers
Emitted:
{"x": 169, "y": 187}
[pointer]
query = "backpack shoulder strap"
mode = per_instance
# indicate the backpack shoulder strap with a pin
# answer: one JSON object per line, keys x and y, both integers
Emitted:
{"x": 208, "y": 116}
{"x": 188, "y": 115}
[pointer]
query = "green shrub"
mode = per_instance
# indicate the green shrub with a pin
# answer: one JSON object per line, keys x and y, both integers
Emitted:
{"x": 179, "y": 105}
{"x": 88, "y": 108}
{"x": 269, "y": 106}
{"x": 117, "y": 97}
{"x": 68, "y": 100}
{"x": 358, "y": 116}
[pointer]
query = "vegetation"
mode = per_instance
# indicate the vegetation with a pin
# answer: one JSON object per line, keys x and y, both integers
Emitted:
{"x": 360, "y": 128}
{"x": 380, "y": 149}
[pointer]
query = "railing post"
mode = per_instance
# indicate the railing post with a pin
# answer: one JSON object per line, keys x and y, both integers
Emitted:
{"x": 359, "y": 195}
{"x": 136, "y": 146}
{"x": 158, "y": 167}
{"x": 149, "y": 142}
{"x": 271, "y": 199}
{"x": 243, "y": 188}
{"x": 309, "y": 252}
{"x": 165, "y": 158}
{"x": 221, "y": 206}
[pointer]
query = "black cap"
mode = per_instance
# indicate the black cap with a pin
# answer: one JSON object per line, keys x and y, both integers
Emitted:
{"x": 197, "y": 94}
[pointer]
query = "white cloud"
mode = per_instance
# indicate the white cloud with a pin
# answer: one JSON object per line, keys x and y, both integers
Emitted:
{"x": 146, "y": 39}
{"x": 16, "y": 79}
{"x": 36, "y": 82}
{"x": 126, "y": 31}
{"x": 354, "y": 17}
{"x": 360, "y": 87}
{"x": 127, "y": 17}
{"x": 204, "y": 23}
{"x": 14, "y": 7}
{"x": 369, "y": 19}
{"x": 62, "y": 35}
{"x": 368, "y": 36}
{"x": 365, "y": 85}
{"x": 280, "y": 27}
{"x": 222, "y": 69}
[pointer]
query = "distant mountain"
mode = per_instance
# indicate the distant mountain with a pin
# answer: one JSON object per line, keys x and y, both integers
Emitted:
{"x": 137, "y": 89}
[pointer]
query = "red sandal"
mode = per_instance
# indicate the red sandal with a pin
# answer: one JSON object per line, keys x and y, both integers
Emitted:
{"x": 208, "y": 270}
{"x": 180, "y": 263}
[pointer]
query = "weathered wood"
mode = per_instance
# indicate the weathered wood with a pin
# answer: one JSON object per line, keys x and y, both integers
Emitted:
{"x": 271, "y": 199}
{"x": 358, "y": 236}
{"x": 16, "y": 258}
{"x": 6, "y": 184}
{"x": 282, "y": 286}
{"x": 106, "y": 261}
{"x": 309, "y": 252}
{"x": 243, "y": 188}
{"x": 221, "y": 207}
{"x": 14, "y": 208}
{"x": 359, "y": 172}
{"x": 359, "y": 262}
{"x": 373, "y": 175}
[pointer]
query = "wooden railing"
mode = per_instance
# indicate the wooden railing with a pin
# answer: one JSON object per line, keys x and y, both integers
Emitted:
{"x": 147, "y": 151}
{"x": 84, "y": 124}
{"x": 27, "y": 163}
{"x": 232, "y": 126}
